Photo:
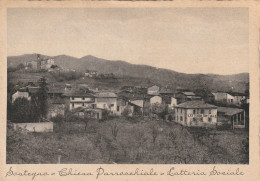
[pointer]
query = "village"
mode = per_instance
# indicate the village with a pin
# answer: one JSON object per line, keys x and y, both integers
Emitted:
{"x": 198, "y": 108}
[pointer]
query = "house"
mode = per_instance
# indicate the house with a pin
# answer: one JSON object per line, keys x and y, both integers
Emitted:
{"x": 91, "y": 73}
{"x": 238, "y": 97}
{"x": 46, "y": 63}
{"x": 79, "y": 98}
{"x": 166, "y": 92}
{"x": 196, "y": 113}
{"x": 56, "y": 107}
{"x": 233, "y": 117}
{"x": 156, "y": 99}
{"x": 106, "y": 100}
{"x": 21, "y": 94}
{"x": 205, "y": 94}
{"x": 186, "y": 96}
{"x": 153, "y": 90}
{"x": 224, "y": 97}
{"x": 55, "y": 92}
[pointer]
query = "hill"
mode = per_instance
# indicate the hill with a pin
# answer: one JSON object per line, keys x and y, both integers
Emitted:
{"x": 237, "y": 82}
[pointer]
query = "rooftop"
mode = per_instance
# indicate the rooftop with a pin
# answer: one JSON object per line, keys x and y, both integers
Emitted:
{"x": 229, "y": 111}
{"x": 195, "y": 104}
{"x": 106, "y": 94}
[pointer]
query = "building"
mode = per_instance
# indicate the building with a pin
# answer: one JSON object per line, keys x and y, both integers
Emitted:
{"x": 55, "y": 92}
{"x": 238, "y": 97}
{"x": 21, "y": 94}
{"x": 223, "y": 97}
{"x": 231, "y": 117}
{"x": 46, "y": 63}
{"x": 156, "y": 99}
{"x": 106, "y": 100}
{"x": 196, "y": 114}
{"x": 80, "y": 99}
{"x": 186, "y": 96}
{"x": 166, "y": 92}
{"x": 153, "y": 90}
{"x": 91, "y": 73}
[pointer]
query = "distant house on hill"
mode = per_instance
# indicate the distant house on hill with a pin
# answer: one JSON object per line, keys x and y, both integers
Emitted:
{"x": 205, "y": 94}
{"x": 196, "y": 113}
{"x": 46, "y": 63}
{"x": 186, "y": 96}
{"x": 153, "y": 90}
{"x": 91, "y": 73}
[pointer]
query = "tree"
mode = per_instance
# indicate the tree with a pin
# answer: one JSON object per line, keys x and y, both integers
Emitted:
{"x": 42, "y": 97}
{"x": 20, "y": 111}
{"x": 20, "y": 66}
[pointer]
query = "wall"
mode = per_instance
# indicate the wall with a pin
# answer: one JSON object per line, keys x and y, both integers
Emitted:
{"x": 35, "y": 127}
{"x": 20, "y": 95}
{"x": 156, "y": 99}
{"x": 220, "y": 96}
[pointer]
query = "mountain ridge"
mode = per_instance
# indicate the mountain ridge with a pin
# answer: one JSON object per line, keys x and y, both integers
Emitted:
{"x": 215, "y": 82}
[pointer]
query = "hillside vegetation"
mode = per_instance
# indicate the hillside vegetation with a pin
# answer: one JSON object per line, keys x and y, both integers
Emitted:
{"x": 238, "y": 82}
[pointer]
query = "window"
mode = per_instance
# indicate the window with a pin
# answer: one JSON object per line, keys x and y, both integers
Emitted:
{"x": 231, "y": 100}
{"x": 72, "y": 98}
{"x": 117, "y": 108}
{"x": 210, "y": 119}
{"x": 83, "y": 98}
{"x": 209, "y": 111}
{"x": 177, "y": 118}
{"x": 202, "y": 111}
{"x": 112, "y": 105}
{"x": 181, "y": 118}
{"x": 82, "y": 104}
{"x": 73, "y": 105}
{"x": 194, "y": 111}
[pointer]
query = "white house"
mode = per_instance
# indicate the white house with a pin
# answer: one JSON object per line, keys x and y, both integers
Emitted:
{"x": 196, "y": 114}
{"x": 106, "y": 100}
{"x": 19, "y": 94}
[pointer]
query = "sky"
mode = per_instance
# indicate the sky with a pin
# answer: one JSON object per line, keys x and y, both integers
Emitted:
{"x": 188, "y": 40}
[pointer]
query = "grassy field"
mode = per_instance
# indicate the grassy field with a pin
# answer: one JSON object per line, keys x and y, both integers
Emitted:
{"x": 126, "y": 141}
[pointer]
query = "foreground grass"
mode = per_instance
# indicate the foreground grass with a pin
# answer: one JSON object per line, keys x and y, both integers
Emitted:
{"x": 125, "y": 141}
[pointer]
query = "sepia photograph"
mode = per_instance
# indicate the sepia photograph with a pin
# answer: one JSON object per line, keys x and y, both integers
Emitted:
{"x": 128, "y": 85}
